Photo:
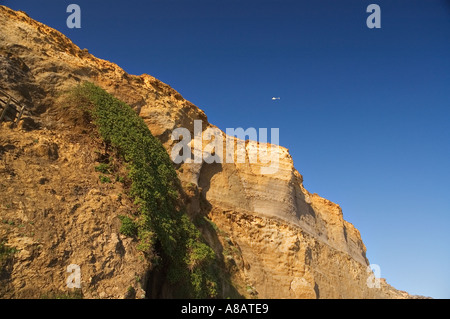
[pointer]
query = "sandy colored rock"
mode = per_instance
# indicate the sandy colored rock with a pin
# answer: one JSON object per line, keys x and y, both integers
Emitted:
{"x": 302, "y": 288}
{"x": 284, "y": 241}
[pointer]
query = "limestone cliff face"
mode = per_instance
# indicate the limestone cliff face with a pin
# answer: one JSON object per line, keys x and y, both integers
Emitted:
{"x": 289, "y": 243}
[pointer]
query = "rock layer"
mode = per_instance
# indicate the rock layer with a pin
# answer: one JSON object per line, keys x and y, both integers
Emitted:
{"x": 292, "y": 244}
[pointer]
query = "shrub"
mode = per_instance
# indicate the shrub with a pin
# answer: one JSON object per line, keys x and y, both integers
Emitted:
{"x": 120, "y": 179}
{"x": 104, "y": 179}
{"x": 5, "y": 254}
{"x": 128, "y": 227}
{"x": 155, "y": 188}
{"x": 103, "y": 168}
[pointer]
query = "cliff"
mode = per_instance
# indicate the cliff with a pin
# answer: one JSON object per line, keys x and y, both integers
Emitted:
{"x": 277, "y": 239}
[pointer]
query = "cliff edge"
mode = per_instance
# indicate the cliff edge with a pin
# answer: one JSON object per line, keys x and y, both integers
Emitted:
{"x": 283, "y": 241}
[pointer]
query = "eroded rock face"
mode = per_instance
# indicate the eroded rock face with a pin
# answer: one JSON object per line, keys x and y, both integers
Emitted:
{"x": 282, "y": 260}
{"x": 55, "y": 212}
{"x": 293, "y": 244}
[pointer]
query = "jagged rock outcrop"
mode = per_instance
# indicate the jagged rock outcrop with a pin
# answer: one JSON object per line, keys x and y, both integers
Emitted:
{"x": 288, "y": 242}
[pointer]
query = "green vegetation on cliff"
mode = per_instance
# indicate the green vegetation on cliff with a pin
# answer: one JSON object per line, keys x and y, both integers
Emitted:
{"x": 5, "y": 253}
{"x": 156, "y": 189}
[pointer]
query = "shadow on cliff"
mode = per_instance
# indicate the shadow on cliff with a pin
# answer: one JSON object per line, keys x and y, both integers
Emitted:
{"x": 157, "y": 285}
{"x": 211, "y": 232}
{"x": 197, "y": 206}
{"x": 207, "y": 172}
{"x": 6, "y": 267}
{"x": 224, "y": 270}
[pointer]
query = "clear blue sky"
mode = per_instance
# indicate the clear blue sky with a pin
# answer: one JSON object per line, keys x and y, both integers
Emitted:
{"x": 364, "y": 112}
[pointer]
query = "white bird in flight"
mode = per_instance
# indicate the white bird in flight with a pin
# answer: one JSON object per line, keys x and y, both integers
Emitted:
{"x": 275, "y": 98}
